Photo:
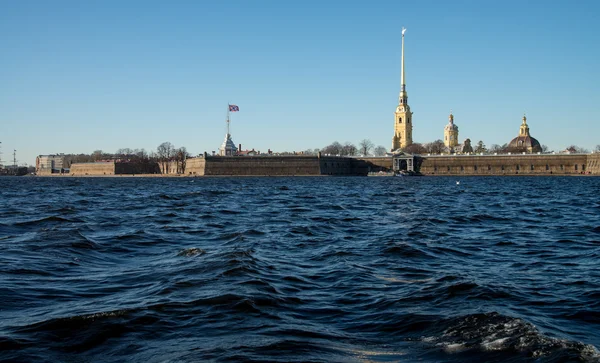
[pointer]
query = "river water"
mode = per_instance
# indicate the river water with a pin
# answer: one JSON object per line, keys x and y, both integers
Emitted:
{"x": 349, "y": 269}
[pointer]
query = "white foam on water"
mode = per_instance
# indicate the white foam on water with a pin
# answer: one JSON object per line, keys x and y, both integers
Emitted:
{"x": 497, "y": 344}
{"x": 453, "y": 348}
{"x": 486, "y": 333}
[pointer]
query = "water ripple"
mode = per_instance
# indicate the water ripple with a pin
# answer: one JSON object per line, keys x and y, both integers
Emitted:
{"x": 299, "y": 269}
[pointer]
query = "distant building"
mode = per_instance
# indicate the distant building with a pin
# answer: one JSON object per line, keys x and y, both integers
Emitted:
{"x": 228, "y": 147}
{"x": 524, "y": 142}
{"x": 451, "y": 134}
{"x": 50, "y": 164}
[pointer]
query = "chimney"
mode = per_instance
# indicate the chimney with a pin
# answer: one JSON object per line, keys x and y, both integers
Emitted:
{"x": 239, "y": 147}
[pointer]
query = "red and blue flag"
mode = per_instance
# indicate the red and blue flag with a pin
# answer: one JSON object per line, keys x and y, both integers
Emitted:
{"x": 234, "y": 108}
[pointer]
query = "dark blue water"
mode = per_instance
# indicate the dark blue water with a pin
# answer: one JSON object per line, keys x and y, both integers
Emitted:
{"x": 300, "y": 269}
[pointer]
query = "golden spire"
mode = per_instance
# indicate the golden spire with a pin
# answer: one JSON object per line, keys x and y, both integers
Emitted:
{"x": 402, "y": 97}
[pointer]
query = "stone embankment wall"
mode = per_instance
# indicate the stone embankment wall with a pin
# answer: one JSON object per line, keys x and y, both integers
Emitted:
{"x": 44, "y": 172}
{"x": 100, "y": 168}
{"x": 532, "y": 164}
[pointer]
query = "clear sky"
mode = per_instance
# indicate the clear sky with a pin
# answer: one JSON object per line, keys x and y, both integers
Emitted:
{"x": 77, "y": 76}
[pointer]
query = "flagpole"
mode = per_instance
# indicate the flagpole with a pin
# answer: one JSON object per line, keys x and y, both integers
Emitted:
{"x": 227, "y": 118}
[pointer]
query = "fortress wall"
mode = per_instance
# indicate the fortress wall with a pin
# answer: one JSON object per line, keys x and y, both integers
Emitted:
{"x": 124, "y": 168}
{"x": 262, "y": 165}
{"x": 279, "y": 166}
{"x": 195, "y": 166}
{"x": 332, "y": 165}
{"x": 531, "y": 164}
{"x": 593, "y": 163}
{"x": 376, "y": 163}
{"x": 100, "y": 168}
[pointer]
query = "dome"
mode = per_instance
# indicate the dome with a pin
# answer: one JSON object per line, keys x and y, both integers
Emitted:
{"x": 526, "y": 144}
{"x": 451, "y": 127}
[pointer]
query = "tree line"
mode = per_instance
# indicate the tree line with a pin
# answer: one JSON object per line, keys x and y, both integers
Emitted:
{"x": 165, "y": 156}
{"x": 367, "y": 148}
{"x": 364, "y": 148}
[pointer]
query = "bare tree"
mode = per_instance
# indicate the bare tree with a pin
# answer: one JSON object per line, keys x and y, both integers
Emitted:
{"x": 365, "y": 147}
{"x": 597, "y": 150}
{"x": 495, "y": 148}
{"x": 97, "y": 155}
{"x": 181, "y": 155}
{"x": 415, "y": 148}
{"x": 379, "y": 151}
{"x": 435, "y": 147}
{"x": 165, "y": 154}
{"x": 577, "y": 150}
{"x": 334, "y": 149}
{"x": 348, "y": 149}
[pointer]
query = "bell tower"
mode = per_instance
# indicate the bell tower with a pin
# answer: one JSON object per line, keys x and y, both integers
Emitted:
{"x": 402, "y": 117}
{"x": 451, "y": 133}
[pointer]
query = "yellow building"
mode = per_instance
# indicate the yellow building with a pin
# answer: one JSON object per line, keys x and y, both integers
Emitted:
{"x": 451, "y": 133}
{"x": 402, "y": 117}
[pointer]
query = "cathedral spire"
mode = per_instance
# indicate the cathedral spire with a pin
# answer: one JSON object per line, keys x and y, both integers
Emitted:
{"x": 403, "y": 117}
{"x": 402, "y": 75}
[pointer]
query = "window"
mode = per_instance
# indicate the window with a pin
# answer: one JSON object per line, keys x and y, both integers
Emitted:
{"x": 562, "y": 167}
{"x": 489, "y": 167}
{"x": 408, "y": 120}
{"x": 518, "y": 167}
{"x": 475, "y": 168}
{"x": 502, "y": 167}
{"x": 547, "y": 167}
{"x": 575, "y": 166}
{"x": 583, "y": 167}
{"x": 399, "y": 120}
{"x": 462, "y": 168}
{"x": 435, "y": 168}
{"x": 532, "y": 167}
{"x": 448, "y": 167}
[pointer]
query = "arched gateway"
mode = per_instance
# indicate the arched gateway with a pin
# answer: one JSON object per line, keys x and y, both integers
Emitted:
{"x": 403, "y": 162}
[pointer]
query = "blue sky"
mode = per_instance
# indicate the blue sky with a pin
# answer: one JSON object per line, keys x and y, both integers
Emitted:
{"x": 77, "y": 76}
